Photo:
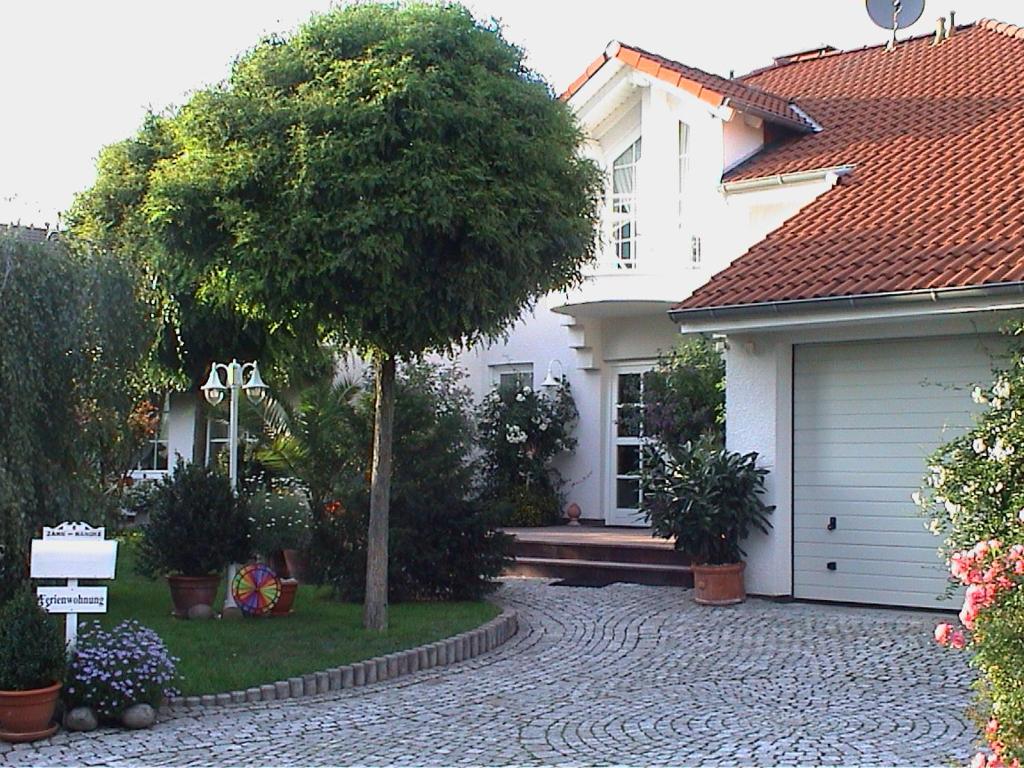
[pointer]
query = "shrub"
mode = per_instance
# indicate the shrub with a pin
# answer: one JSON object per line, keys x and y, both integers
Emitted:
{"x": 111, "y": 671}
{"x": 707, "y": 498}
{"x": 974, "y": 493}
{"x": 993, "y": 620}
{"x": 443, "y": 543}
{"x": 31, "y": 646}
{"x": 520, "y": 432}
{"x": 280, "y": 519}
{"x": 196, "y": 525}
{"x": 684, "y": 395}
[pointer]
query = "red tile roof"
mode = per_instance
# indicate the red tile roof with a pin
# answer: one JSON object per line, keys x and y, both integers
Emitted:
{"x": 936, "y": 199}
{"x": 711, "y": 88}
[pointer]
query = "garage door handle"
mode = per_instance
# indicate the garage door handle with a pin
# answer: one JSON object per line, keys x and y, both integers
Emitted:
{"x": 831, "y": 523}
{"x": 831, "y": 565}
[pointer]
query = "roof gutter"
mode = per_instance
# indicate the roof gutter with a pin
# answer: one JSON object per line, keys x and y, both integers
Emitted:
{"x": 831, "y": 174}
{"x": 865, "y": 301}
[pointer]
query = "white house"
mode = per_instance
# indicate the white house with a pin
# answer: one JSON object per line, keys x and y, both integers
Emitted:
{"x": 850, "y": 224}
{"x": 666, "y": 133}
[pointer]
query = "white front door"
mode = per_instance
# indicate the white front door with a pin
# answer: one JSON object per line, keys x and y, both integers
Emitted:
{"x": 627, "y": 438}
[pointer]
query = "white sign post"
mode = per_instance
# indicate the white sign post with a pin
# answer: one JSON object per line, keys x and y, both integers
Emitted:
{"x": 73, "y": 551}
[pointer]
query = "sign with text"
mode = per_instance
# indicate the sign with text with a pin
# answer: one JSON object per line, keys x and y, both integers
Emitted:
{"x": 73, "y": 599}
{"x": 73, "y": 551}
{"x": 74, "y": 531}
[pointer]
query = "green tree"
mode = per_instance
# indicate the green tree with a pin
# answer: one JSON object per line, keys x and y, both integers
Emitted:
{"x": 394, "y": 174}
{"x": 73, "y": 330}
{"x": 193, "y": 329}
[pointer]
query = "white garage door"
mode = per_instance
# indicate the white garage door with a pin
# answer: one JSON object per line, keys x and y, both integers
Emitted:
{"x": 865, "y": 418}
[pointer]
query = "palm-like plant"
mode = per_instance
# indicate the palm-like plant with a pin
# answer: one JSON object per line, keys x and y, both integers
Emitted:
{"x": 312, "y": 440}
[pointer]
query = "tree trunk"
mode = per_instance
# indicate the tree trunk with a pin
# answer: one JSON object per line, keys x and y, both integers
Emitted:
{"x": 375, "y": 609}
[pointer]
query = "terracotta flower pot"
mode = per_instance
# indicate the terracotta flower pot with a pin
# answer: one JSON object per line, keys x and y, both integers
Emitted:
{"x": 188, "y": 591}
{"x": 297, "y": 566}
{"x": 719, "y": 584}
{"x": 284, "y": 603}
{"x": 28, "y": 715}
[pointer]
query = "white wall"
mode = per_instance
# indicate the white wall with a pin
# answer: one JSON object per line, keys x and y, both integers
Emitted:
{"x": 758, "y": 406}
{"x": 182, "y": 427}
{"x": 742, "y": 137}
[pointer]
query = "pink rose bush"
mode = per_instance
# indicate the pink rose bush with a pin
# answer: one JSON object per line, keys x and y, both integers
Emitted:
{"x": 973, "y": 493}
{"x": 993, "y": 574}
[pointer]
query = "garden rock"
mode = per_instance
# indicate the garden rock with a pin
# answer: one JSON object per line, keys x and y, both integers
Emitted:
{"x": 81, "y": 719}
{"x": 200, "y": 612}
{"x": 138, "y": 716}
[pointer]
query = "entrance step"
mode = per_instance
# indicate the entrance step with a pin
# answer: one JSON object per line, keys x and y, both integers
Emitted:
{"x": 598, "y": 555}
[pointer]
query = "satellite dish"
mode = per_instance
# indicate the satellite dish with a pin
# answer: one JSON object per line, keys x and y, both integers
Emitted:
{"x": 902, "y": 12}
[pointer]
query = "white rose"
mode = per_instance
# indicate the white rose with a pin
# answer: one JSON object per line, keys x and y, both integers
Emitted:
{"x": 1001, "y": 389}
{"x": 979, "y": 445}
{"x": 978, "y": 396}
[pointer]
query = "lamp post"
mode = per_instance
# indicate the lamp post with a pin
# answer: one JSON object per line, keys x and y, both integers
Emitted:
{"x": 238, "y": 377}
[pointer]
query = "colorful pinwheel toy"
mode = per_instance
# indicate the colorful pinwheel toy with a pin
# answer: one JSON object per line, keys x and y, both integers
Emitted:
{"x": 256, "y": 589}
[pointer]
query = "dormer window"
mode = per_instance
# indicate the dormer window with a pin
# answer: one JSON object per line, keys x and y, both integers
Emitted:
{"x": 624, "y": 206}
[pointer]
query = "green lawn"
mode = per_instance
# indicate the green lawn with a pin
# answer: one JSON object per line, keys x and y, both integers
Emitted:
{"x": 218, "y": 656}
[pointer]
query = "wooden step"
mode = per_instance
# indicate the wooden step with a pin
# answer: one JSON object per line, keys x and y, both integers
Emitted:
{"x": 650, "y": 553}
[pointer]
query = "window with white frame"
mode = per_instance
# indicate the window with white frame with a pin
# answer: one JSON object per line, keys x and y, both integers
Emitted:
{"x": 155, "y": 456}
{"x": 512, "y": 375}
{"x": 623, "y": 208}
{"x": 691, "y": 242}
{"x": 628, "y": 412}
{"x": 217, "y": 431}
{"x": 217, "y": 440}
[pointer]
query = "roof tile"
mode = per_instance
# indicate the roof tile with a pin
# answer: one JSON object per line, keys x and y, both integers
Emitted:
{"x": 935, "y": 133}
{"x": 711, "y": 88}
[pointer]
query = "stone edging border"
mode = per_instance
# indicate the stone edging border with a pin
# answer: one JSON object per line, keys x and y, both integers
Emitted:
{"x": 442, "y": 653}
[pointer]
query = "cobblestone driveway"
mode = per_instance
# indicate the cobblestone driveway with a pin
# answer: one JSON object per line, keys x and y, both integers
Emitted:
{"x": 622, "y": 674}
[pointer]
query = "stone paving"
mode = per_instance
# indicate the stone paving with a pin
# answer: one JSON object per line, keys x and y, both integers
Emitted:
{"x": 622, "y": 674}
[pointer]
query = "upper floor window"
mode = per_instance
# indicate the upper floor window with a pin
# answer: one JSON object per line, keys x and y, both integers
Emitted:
{"x": 690, "y": 241}
{"x": 624, "y": 206}
{"x": 156, "y": 449}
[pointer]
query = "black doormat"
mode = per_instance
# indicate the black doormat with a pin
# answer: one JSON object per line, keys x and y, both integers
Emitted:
{"x": 582, "y": 582}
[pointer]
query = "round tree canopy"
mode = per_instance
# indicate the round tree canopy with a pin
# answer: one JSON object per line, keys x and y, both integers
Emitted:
{"x": 394, "y": 172}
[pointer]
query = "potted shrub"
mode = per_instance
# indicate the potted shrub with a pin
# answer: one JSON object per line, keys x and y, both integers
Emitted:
{"x": 32, "y": 664}
{"x": 281, "y": 523}
{"x": 708, "y": 500}
{"x": 197, "y": 526}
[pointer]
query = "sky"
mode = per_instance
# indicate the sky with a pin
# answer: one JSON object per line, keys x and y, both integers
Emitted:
{"x": 77, "y": 75}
